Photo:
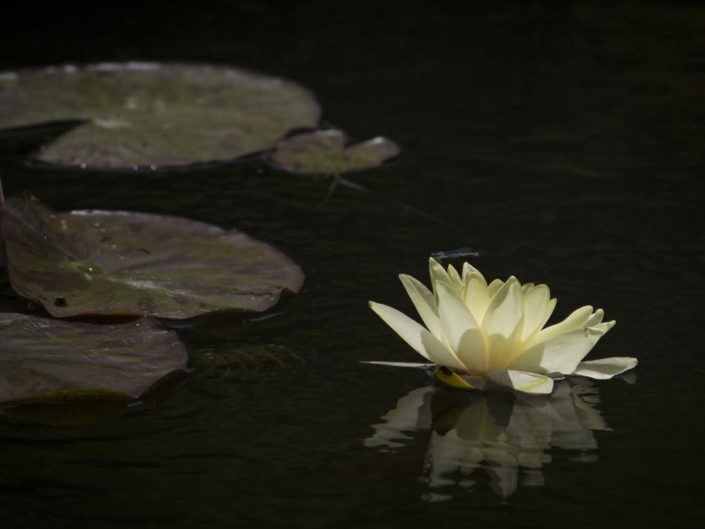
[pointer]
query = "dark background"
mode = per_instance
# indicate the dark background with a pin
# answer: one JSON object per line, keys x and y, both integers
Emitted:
{"x": 565, "y": 141}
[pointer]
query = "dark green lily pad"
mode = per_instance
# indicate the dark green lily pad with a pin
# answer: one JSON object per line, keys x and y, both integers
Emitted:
{"x": 117, "y": 263}
{"x": 146, "y": 114}
{"x": 49, "y": 359}
{"x": 328, "y": 152}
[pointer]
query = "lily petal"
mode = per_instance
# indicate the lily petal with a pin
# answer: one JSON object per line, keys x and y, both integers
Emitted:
{"x": 505, "y": 310}
{"x": 576, "y": 320}
{"x": 494, "y": 286}
{"x": 596, "y": 318}
{"x": 536, "y": 301}
{"x": 455, "y": 280}
{"x": 562, "y": 353}
{"x": 417, "y": 336}
{"x": 503, "y": 323}
{"x": 476, "y": 296}
{"x": 549, "y": 311}
{"x": 522, "y": 381}
{"x": 422, "y": 298}
{"x": 461, "y": 330}
{"x": 411, "y": 365}
{"x": 437, "y": 273}
{"x": 470, "y": 269}
{"x": 605, "y": 368}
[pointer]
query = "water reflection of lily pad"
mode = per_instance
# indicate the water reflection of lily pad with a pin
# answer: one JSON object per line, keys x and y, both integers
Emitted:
{"x": 120, "y": 263}
{"x": 49, "y": 359}
{"x": 328, "y": 152}
{"x": 67, "y": 412}
{"x": 145, "y": 114}
{"x": 98, "y": 409}
{"x": 508, "y": 436}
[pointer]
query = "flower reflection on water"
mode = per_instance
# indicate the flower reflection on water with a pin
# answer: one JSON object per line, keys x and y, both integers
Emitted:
{"x": 507, "y": 435}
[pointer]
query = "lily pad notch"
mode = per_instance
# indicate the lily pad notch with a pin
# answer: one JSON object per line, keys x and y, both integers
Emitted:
{"x": 140, "y": 115}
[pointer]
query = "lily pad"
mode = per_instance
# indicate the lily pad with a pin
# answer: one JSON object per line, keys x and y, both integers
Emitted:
{"x": 42, "y": 358}
{"x": 154, "y": 115}
{"x": 117, "y": 263}
{"x": 329, "y": 152}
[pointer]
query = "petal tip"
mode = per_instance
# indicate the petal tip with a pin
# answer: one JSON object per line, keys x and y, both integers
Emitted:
{"x": 606, "y": 368}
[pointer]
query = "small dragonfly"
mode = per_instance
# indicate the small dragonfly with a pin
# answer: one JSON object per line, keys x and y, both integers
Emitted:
{"x": 446, "y": 255}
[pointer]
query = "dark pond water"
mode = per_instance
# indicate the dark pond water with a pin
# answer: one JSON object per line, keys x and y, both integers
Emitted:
{"x": 566, "y": 145}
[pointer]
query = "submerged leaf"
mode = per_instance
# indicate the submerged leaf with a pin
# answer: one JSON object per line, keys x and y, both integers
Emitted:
{"x": 325, "y": 152}
{"x": 42, "y": 358}
{"x": 249, "y": 360}
{"x": 121, "y": 263}
{"x": 147, "y": 114}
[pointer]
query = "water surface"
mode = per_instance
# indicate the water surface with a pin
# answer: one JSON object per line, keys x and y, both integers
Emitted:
{"x": 564, "y": 145}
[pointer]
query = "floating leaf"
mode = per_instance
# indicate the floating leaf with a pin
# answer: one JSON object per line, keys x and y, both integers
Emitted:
{"x": 326, "y": 152}
{"x": 146, "y": 114}
{"x": 121, "y": 263}
{"x": 42, "y": 358}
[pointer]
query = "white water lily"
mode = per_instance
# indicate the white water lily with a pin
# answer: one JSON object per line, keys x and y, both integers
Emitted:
{"x": 495, "y": 332}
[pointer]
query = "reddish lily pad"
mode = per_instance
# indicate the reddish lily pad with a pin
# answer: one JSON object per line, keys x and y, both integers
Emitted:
{"x": 148, "y": 114}
{"x": 117, "y": 263}
{"x": 328, "y": 152}
{"x": 42, "y": 358}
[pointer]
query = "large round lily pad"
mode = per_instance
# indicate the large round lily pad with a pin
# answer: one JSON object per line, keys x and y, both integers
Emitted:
{"x": 329, "y": 151}
{"x": 146, "y": 114}
{"x": 122, "y": 263}
{"x": 51, "y": 359}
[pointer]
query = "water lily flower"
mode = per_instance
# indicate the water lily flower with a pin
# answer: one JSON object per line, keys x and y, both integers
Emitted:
{"x": 478, "y": 333}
